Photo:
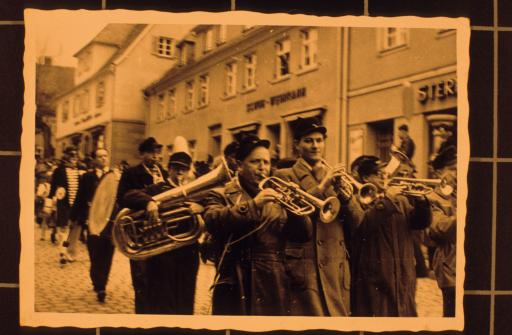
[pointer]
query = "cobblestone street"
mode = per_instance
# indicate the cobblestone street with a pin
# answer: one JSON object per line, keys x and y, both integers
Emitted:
{"x": 68, "y": 289}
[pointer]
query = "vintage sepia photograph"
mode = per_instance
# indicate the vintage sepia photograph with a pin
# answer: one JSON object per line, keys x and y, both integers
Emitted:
{"x": 204, "y": 170}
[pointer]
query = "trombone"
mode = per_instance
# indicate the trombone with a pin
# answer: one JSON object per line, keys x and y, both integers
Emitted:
{"x": 367, "y": 193}
{"x": 299, "y": 202}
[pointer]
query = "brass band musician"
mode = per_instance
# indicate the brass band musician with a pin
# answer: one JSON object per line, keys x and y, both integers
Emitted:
{"x": 252, "y": 227}
{"x": 318, "y": 269}
{"x": 383, "y": 269}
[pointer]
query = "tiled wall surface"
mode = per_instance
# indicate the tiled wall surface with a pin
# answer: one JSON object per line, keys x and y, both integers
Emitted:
{"x": 488, "y": 286}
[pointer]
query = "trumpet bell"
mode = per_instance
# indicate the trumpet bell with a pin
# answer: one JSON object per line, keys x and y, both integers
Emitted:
{"x": 329, "y": 210}
{"x": 367, "y": 193}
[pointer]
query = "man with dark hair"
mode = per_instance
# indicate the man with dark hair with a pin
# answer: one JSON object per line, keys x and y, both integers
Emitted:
{"x": 64, "y": 187}
{"x": 100, "y": 247}
{"x": 383, "y": 270}
{"x": 131, "y": 193}
{"x": 318, "y": 268}
{"x": 252, "y": 228}
{"x": 407, "y": 145}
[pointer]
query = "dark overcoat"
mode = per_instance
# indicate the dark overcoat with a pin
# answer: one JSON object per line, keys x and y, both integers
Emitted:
{"x": 383, "y": 263}
{"x": 442, "y": 234}
{"x": 165, "y": 283}
{"x": 319, "y": 269}
{"x": 251, "y": 272}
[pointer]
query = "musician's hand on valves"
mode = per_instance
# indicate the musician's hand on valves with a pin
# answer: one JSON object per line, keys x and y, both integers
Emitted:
{"x": 266, "y": 195}
{"x": 152, "y": 211}
{"x": 344, "y": 189}
{"x": 195, "y": 207}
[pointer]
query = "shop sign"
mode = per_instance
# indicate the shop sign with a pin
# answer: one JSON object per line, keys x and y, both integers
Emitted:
{"x": 276, "y": 100}
{"x": 437, "y": 91}
{"x": 86, "y": 118}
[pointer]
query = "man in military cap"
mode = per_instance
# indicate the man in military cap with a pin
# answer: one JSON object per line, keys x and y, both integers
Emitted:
{"x": 252, "y": 228}
{"x": 383, "y": 269}
{"x": 319, "y": 270}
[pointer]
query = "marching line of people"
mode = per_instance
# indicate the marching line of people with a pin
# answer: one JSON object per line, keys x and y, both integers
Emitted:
{"x": 271, "y": 260}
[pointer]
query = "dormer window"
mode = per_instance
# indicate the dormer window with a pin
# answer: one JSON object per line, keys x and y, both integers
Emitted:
{"x": 164, "y": 46}
{"x": 208, "y": 40}
{"x": 223, "y": 30}
{"x": 183, "y": 55}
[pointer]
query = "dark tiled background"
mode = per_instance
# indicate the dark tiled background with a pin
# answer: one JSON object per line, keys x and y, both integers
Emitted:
{"x": 485, "y": 313}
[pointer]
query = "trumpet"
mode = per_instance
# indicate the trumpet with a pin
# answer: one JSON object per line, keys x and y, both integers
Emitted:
{"x": 299, "y": 202}
{"x": 366, "y": 193}
{"x": 420, "y": 187}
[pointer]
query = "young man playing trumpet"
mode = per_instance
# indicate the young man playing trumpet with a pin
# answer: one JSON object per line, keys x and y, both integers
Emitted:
{"x": 383, "y": 269}
{"x": 252, "y": 227}
{"x": 318, "y": 269}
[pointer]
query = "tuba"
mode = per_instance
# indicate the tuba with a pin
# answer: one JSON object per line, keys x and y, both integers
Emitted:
{"x": 178, "y": 225}
{"x": 299, "y": 202}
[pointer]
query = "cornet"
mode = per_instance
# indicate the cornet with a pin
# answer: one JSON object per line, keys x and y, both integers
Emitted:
{"x": 299, "y": 202}
{"x": 420, "y": 187}
{"x": 367, "y": 193}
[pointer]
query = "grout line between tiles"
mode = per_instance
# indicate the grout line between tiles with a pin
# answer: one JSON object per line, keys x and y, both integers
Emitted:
{"x": 11, "y": 23}
{"x": 10, "y": 153}
{"x": 494, "y": 167}
{"x": 9, "y": 285}
{"x": 233, "y": 4}
{"x": 365, "y": 8}
{"x": 491, "y": 160}
{"x": 103, "y": 4}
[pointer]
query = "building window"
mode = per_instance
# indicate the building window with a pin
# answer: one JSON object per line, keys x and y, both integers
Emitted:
{"x": 282, "y": 58}
{"x": 171, "y": 103}
{"x": 204, "y": 82}
{"x": 183, "y": 55}
{"x": 250, "y": 71}
{"x": 165, "y": 46}
{"x": 309, "y": 48}
{"x": 189, "y": 96}
{"x": 393, "y": 38}
{"x": 223, "y": 33}
{"x": 76, "y": 106}
{"x": 208, "y": 40}
{"x": 231, "y": 71}
{"x": 84, "y": 102}
{"x": 160, "y": 110}
{"x": 65, "y": 111}
{"x": 100, "y": 94}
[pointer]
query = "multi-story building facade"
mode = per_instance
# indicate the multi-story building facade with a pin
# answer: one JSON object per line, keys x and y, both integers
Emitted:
{"x": 106, "y": 107}
{"x": 362, "y": 82}
{"x": 51, "y": 80}
{"x": 400, "y": 76}
{"x": 260, "y": 79}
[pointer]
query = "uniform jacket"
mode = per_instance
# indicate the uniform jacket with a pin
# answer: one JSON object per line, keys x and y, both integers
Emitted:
{"x": 319, "y": 268}
{"x": 60, "y": 179}
{"x": 135, "y": 187}
{"x": 254, "y": 266}
{"x": 442, "y": 234}
{"x": 384, "y": 275}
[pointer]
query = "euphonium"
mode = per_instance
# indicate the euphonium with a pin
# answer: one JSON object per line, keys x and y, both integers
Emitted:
{"x": 177, "y": 226}
{"x": 299, "y": 202}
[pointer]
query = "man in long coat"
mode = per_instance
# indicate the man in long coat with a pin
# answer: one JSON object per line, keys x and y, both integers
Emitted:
{"x": 100, "y": 247}
{"x": 383, "y": 269}
{"x": 319, "y": 269}
{"x": 140, "y": 178}
{"x": 251, "y": 227}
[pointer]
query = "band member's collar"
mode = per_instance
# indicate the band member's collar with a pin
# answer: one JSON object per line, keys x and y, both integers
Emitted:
{"x": 304, "y": 163}
{"x": 172, "y": 183}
